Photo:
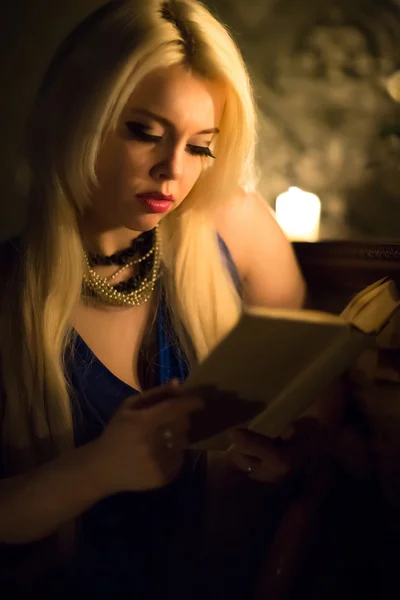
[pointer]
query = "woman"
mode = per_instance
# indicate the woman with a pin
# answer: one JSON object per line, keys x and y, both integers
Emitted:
{"x": 138, "y": 169}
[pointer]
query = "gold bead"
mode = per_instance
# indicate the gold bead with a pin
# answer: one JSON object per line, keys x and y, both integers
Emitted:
{"x": 100, "y": 286}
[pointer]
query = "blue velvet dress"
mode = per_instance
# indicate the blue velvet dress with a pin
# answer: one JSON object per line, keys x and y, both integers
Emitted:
{"x": 142, "y": 542}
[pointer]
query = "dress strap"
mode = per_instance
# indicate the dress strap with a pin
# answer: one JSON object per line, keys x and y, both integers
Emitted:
{"x": 171, "y": 360}
{"x": 233, "y": 270}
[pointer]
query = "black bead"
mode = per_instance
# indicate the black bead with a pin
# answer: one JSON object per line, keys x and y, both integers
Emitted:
{"x": 139, "y": 247}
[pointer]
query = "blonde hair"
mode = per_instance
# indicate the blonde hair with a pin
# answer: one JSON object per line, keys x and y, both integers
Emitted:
{"x": 102, "y": 61}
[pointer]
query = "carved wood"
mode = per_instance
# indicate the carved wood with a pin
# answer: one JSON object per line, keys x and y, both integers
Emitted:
{"x": 337, "y": 270}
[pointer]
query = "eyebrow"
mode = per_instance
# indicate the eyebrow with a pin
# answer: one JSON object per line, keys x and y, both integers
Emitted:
{"x": 166, "y": 122}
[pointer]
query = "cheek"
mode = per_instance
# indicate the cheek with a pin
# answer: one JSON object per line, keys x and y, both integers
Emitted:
{"x": 120, "y": 163}
{"x": 192, "y": 171}
{"x": 134, "y": 158}
{"x": 129, "y": 164}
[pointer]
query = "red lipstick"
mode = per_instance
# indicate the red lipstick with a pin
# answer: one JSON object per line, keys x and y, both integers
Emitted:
{"x": 155, "y": 201}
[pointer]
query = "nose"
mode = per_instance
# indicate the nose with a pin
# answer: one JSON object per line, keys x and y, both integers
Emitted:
{"x": 170, "y": 166}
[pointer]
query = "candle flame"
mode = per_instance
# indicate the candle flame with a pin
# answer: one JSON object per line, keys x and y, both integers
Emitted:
{"x": 298, "y": 213}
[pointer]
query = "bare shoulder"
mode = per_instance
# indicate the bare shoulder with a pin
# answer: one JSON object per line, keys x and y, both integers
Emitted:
{"x": 264, "y": 257}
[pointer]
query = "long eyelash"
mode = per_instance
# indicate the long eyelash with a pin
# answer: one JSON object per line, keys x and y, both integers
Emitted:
{"x": 199, "y": 151}
{"x": 136, "y": 130}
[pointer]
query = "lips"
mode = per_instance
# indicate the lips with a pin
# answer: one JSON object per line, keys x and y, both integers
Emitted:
{"x": 155, "y": 202}
{"x": 156, "y": 196}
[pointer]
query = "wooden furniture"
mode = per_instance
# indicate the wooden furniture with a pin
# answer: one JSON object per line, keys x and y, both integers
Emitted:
{"x": 334, "y": 272}
{"x": 337, "y": 270}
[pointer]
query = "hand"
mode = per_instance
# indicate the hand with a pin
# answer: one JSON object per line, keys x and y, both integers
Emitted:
{"x": 258, "y": 456}
{"x": 272, "y": 461}
{"x": 142, "y": 447}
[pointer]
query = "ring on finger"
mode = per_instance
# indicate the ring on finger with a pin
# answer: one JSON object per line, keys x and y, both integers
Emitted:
{"x": 168, "y": 439}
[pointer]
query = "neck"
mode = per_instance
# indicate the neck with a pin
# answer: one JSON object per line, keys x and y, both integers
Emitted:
{"x": 108, "y": 242}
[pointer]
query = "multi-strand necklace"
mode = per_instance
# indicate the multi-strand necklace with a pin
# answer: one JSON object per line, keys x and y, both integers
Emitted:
{"x": 145, "y": 254}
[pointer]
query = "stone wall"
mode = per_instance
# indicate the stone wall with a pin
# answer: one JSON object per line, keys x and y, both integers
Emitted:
{"x": 327, "y": 123}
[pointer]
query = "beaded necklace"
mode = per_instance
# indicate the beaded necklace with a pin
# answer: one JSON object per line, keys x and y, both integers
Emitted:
{"x": 137, "y": 289}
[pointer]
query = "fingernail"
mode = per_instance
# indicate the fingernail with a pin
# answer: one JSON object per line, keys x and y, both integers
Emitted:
{"x": 288, "y": 433}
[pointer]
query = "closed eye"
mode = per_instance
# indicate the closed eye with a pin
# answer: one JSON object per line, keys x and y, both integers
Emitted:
{"x": 199, "y": 151}
{"x": 138, "y": 132}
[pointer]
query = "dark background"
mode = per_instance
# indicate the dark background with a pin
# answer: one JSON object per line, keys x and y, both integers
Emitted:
{"x": 320, "y": 69}
{"x": 327, "y": 124}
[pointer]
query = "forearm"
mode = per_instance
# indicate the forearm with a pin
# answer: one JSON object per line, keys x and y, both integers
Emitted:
{"x": 36, "y": 504}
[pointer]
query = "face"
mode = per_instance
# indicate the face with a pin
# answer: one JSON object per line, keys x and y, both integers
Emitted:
{"x": 147, "y": 167}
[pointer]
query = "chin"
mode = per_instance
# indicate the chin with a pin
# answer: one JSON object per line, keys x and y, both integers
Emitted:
{"x": 142, "y": 223}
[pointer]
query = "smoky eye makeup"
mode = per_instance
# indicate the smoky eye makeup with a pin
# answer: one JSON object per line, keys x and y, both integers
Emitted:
{"x": 199, "y": 151}
{"x": 140, "y": 132}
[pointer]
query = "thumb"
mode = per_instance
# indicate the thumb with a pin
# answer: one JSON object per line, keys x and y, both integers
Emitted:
{"x": 288, "y": 433}
{"x": 173, "y": 383}
{"x": 153, "y": 396}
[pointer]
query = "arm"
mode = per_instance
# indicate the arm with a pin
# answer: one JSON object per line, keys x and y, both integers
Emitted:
{"x": 270, "y": 274}
{"x": 272, "y": 278}
{"x": 36, "y": 504}
{"x": 264, "y": 257}
{"x": 128, "y": 456}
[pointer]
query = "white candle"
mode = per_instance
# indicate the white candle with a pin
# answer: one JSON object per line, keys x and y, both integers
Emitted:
{"x": 299, "y": 213}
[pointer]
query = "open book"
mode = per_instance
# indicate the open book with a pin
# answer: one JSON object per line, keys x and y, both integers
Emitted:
{"x": 271, "y": 366}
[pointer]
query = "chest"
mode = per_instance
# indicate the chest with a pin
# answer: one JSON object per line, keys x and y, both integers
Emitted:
{"x": 115, "y": 337}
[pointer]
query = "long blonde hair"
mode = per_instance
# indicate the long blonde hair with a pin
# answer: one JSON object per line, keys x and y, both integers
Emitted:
{"x": 80, "y": 100}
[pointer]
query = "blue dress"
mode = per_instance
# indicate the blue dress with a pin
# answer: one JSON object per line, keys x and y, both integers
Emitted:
{"x": 145, "y": 542}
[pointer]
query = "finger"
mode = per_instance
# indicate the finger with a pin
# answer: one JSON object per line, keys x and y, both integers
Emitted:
{"x": 245, "y": 463}
{"x": 170, "y": 444}
{"x": 174, "y": 443}
{"x": 178, "y": 426}
{"x": 270, "y": 474}
{"x": 174, "y": 383}
{"x": 171, "y": 436}
{"x": 288, "y": 433}
{"x": 253, "y": 444}
{"x": 173, "y": 410}
{"x": 173, "y": 466}
{"x": 169, "y": 463}
{"x": 153, "y": 396}
{"x": 271, "y": 471}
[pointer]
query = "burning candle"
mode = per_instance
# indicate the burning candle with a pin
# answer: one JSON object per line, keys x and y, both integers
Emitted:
{"x": 299, "y": 213}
